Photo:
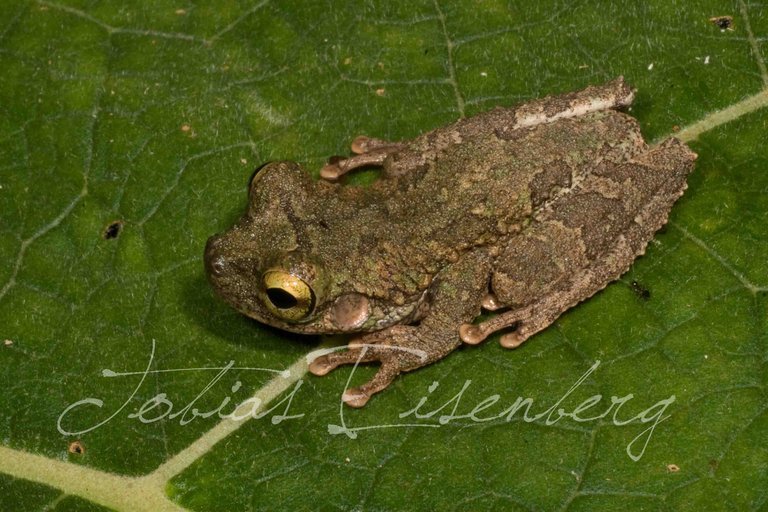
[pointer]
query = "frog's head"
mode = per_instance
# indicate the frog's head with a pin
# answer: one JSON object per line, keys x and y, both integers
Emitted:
{"x": 267, "y": 265}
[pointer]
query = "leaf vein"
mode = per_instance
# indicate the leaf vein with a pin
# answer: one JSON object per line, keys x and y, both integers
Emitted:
{"x": 753, "y": 43}
{"x": 449, "y": 45}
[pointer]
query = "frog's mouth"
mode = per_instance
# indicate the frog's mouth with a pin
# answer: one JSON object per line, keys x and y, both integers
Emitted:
{"x": 348, "y": 313}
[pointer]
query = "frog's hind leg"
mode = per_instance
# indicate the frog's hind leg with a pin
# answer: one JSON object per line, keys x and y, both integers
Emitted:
{"x": 612, "y": 95}
{"x": 550, "y": 246}
{"x": 364, "y": 144}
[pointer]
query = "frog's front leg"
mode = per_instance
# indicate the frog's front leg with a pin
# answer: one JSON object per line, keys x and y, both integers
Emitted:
{"x": 398, "y": 348}
{"x": 368, "y": 151}
{"x": 456, "y": 294}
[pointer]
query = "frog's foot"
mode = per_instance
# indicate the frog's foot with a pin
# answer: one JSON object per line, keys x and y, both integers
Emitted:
{"x": 371, "y": 152}
{"x": 526, "y": 322}
{"x": 491, "y": 303}
{"x": 394, "y": 348}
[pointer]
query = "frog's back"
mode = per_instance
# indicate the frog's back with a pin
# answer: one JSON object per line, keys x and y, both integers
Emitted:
{"x": 486, "y": 183}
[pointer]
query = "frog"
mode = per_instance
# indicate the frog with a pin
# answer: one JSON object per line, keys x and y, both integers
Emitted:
{"x": 516, "y": 214}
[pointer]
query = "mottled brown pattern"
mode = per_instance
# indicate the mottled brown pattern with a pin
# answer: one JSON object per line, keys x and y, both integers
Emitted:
{"x": 541, "y": 205}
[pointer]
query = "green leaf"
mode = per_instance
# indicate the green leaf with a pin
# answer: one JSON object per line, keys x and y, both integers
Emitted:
{"x": 127, "y": 137}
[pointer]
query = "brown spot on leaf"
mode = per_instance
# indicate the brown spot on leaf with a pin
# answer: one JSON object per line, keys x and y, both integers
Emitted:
{"x": 76, "y": 447}
{"x": 722, "y": 22}
{"x": 113, "y": 230}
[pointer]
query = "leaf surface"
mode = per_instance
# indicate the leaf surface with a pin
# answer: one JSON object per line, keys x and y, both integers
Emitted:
{"x": 127, "y": 137}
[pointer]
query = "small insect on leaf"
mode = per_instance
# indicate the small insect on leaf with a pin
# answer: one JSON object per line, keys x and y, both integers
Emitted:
{"x": 722, "y": 22}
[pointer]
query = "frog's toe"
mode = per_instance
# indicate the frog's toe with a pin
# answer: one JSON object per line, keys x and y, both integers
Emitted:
{"x": 359, "y": 396}
{"x": 491, "y": 303}
{"x": 331, "y": 171}
{"x": 356, "y": 398}
{"x": 397, "y": 348}
{"x": 471, "y": 334}
{"x": 513, "y": 339}
{"x": 320, "y": 366}
{"x": 361, "y": 144}
{"x": 474, "y": 334}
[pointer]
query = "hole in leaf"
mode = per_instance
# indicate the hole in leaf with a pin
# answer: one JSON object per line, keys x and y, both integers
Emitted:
{"x": 113, "y": 230}
{"x": 76, "y": 447}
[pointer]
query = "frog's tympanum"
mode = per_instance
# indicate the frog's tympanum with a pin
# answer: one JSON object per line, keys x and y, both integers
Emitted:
{"x": 523, "y": 211}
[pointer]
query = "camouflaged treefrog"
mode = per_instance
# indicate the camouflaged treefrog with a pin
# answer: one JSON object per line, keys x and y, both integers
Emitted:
{"x": 524, "y": 211}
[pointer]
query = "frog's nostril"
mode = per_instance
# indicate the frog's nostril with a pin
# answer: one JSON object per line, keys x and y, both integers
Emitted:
{"x": 215, "y": 263}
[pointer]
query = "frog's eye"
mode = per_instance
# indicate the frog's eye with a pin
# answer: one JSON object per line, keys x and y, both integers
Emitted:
{"x": 287, "y": 296}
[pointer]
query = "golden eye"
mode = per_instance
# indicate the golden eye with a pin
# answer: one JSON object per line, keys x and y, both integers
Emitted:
{"x": 287, "y": 296}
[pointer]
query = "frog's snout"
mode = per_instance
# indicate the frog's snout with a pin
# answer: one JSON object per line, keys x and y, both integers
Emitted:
{"x": 215, "y": 262}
